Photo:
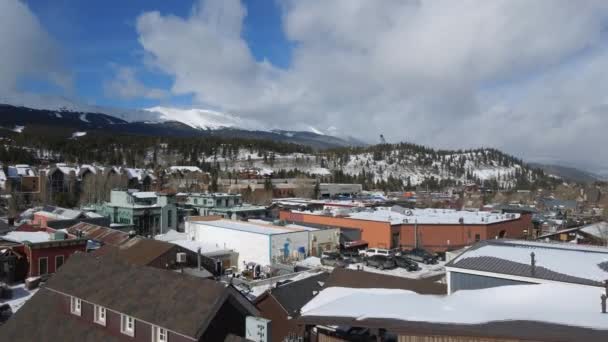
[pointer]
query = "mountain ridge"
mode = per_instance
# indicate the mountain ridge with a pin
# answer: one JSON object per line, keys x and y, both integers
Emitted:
{"x": 12, "y": 116}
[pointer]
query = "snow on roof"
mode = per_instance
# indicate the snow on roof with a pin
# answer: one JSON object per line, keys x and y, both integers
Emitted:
{"x": 185, "y": 168}
{"x": 550, "y": 303}
{"x": 20, "y": 170}
{"x": 65, "y": 169}
{"x": 431, "y": 216}
{"x": 573, "y": 260}
{"x": 289, "y": 226}
{"x": 171, "y": 235}
{"x": 32, "y": 237}
{"x": 247, "y": 227}
{"x": 59, "y": 213}
{"x": 206, "y": 247}
{"x": 144, "y": 194}
{"x": 598, "y": 230}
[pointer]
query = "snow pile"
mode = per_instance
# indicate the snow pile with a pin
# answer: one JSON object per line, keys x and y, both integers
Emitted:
{"x": 185, "y": 168}
{"x": 83, "y": 117}
{"x": 573, "y": 260}
{"x": 19, "y": 129}
{"x": 543, "y": 303}
{"x": 78, "y": 134}
{"x": 310, "y": 262}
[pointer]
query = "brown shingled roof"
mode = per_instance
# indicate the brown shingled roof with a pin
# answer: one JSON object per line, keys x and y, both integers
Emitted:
{"x": 142, "y": 251}
{"x": 178, "y": 302}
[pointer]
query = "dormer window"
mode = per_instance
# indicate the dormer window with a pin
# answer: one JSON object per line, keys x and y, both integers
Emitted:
{"x": 159, "y": 334}
{"x": 127, "y": 325}
{"x": 75, "y": 306}
{"x": 100, "y": 315}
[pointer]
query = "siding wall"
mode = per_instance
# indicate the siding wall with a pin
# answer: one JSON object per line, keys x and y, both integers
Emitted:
{"x": 143, "y": 330}
{"x": 464, "y": 281}
{"x": 251, "y": 247}
{"x": 281, "y": 327}
{"x": 434, "y": 237}
{"x": 377, "y": 234}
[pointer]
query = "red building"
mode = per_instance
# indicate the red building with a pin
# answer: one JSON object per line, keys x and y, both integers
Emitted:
{"x": 42, "y": 251}
{"x": 437, "y": 230}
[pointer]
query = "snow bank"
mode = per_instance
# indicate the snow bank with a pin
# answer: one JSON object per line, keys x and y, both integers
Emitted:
{"x": 551, "y": 303}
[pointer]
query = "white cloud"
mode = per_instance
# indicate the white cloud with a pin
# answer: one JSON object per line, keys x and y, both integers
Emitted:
{"x": 125, "y": 85}
{"x": 26, "y": 49}
{"x": 444, "y": 73}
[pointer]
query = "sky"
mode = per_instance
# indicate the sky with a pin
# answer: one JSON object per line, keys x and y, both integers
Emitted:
{"x": 523, "y": 76}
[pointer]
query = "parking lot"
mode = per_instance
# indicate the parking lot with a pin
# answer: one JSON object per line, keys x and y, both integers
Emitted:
{"x": 425, "y": 271}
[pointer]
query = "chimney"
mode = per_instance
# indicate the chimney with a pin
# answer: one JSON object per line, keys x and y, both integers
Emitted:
{"x": 198, "y": 254}
{"x": 533, "y": 263}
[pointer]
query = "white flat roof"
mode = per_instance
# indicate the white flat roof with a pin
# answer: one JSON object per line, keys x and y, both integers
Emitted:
{"x": 427, "y": 216}
{"x": 550, "y": 303}
{"x": 256, "y": 228}
{"x": 32, "y": 237}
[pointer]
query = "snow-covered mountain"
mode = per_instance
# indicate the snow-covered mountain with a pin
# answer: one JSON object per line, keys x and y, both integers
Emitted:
{"x": 159, "y": 121}
{"x": 205, "y": 119}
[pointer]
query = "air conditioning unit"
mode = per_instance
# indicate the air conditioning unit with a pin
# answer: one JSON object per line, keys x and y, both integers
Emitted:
{"x": 181, "y": 258}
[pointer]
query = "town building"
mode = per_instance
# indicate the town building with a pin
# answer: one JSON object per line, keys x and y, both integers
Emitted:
{"x": 331, "y": 190}
{"x": 495, "y": 263}
{"x": 148, "y": 213}
{"x": 59, "y": 218}
{"x": 228, "y": 257}
{"x": 203, "y": 202}
{"x": 319, "y": 240}
{"x": 282, "y": 303}
{"x": 437, "y": 230}
{"x": 36, "y": 252}
{"x": 97, "y": 298}
{"x": 544, "y": 312}
{"x": 99, "y": 234}
{"x": 141, "y": 179}
{"x": 258, "y": 243}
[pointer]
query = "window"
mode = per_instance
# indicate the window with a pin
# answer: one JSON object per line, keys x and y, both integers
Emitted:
{"x": 43, "y": 266}
{"x": 58, "y": 262}
{"x": 159, "y": 334}
{"x": 477, "y": 237}
{"x": 127, "y": 325}
{"x": 75, "y": 306}
{"x": 195, "y": 201}
{"x": 169, "y": 218}
{"x": 100, "y": 315}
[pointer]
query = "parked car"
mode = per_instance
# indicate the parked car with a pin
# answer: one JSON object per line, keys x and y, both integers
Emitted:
{"x": 333, "y": 259}
{"x": 422, "y": 255}
{"x": 370, "y": 252}
{"x": 380, "y": 261}
{"x": 352, "y": 257}
{"x": 407, "y": 263}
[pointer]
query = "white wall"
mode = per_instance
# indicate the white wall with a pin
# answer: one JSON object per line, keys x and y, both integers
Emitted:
{"x": 295, "y": 241}
{"x": 250, "y": 246}
{"x": 324, "y": 236}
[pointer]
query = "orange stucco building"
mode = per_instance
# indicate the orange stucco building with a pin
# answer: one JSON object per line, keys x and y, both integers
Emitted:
{"x": 437, "y": 237}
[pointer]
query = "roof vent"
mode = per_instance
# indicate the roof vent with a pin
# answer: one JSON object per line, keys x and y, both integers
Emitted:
{"x": 533, "y": 262}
